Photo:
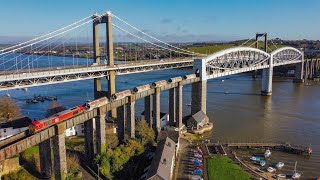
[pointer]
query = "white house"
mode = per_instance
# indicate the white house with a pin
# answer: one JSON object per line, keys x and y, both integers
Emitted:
{"x": 78, "y": 130}
{"x": 164, "y": 119}
{"x": 13, "y": 127}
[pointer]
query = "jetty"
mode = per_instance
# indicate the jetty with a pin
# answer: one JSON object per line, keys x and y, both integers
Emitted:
{"x": 281, "y": 146}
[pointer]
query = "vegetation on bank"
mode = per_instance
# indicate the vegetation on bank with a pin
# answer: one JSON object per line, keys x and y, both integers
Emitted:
{"x": 224, "y": 168}
{"x": 117, "y": 156}
{"x": 210, "y": 49}
{"x": 20, "y": 174}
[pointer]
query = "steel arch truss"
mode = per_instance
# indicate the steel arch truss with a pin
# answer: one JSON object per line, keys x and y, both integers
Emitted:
{"x": 286, "y": 55}
{"x": 234, "y": 59}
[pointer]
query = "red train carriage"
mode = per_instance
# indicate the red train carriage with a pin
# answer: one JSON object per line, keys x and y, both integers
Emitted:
{"x": 38, "y": 125}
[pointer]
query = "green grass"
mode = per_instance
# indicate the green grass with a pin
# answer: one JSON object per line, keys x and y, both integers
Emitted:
{"x": 222, "y": 168}
{"x": 27, "y": 154}
{"x": 75, "y": 144}
{"x": 20, "y": 174}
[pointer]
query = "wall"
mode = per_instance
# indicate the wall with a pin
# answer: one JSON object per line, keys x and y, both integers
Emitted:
{"x": 9, "y": 165}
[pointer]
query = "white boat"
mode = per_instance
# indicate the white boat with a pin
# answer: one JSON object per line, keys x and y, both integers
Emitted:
{"x": 279, "y": 164}
{"x": 271, "y": 169}
{"x": 295, "y": 174}
{"x": 262, "y": 163}
{"x": 267, "y": 153}
{"x": 281, "y": 176}
{"x": 254, "y": 158}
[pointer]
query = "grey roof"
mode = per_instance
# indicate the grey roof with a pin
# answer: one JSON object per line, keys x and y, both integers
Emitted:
{"x": 199, "y": 116}
{"x": 162, "y": 162}
{"x": 173, "y": 135}
{"x": 16, "y": 123}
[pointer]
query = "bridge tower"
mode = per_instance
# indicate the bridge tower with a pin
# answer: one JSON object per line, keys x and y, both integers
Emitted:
{"x": 199, "y": 89}
{"x": 266, "y": 73}
{"x": 299, "y": 70}
{"x": 111, "y": 78}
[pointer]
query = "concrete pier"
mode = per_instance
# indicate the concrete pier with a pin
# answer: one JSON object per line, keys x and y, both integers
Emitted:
{"x": 199, "y": 89}
{"x": 59, "y": 153}
{"x": 148, "y": 110}
{"x": 156, "y": 111}
{"x": 101, "y": 131}
{"x": 298, "y": 73}
{"x": 178, "y": 107}
{"x": 121, "y": 122}
{"x": 45, "y": 159}
{"x": 131, "y": 123}
{"x": 267, "y": 75}
{"x": 89, "y": 139}
{"x": 172, "y": 106}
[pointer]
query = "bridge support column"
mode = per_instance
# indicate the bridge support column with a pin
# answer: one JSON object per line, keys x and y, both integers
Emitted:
{"x": 172, "y": 106}
{"x": 59, "y": 153}
{"x": 112, "y": 74}
{"x": 156, "y": 110}
{"x": 148, "y": 110}
{"x": 267, "y": 79}
{"x": 101, "y": 131}
{"x": 121, "y": 122}
{"x": 89, "y": 139}
{"x": 199, "y": 89}
{"x": 178, "y": 107}
{"x": 298, "y": 73}
{"x": 131, "y": 117}
{"x": 45, "y": 159}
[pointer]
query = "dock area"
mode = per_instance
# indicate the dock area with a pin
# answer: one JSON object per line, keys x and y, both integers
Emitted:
{"x": 280, "y": 146}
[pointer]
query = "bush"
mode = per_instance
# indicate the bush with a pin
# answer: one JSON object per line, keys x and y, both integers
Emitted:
{"x": 73, "y": 167}
{"x": 21, "y": 174}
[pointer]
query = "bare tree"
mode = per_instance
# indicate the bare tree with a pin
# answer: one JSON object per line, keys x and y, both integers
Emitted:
{"x": 8, "y": 108}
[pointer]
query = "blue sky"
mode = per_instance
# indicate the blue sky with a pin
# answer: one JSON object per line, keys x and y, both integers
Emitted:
{"x": 213, "y": 20}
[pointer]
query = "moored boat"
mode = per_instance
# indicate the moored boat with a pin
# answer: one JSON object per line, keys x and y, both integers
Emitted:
{"x": 271, "y": 169}
{"x": 279, "y": 164}
{"x": 267, "y": 153}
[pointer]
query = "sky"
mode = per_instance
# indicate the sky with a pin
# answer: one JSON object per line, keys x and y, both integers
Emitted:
{"x": 173, "y": 20}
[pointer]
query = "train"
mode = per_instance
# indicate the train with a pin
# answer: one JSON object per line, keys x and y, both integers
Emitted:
{"x": 38, "y": 125}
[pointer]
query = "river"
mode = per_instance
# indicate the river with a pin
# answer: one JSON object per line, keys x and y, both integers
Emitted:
{"x": 234, "y": 105}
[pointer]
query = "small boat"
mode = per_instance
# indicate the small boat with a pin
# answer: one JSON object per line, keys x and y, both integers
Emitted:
{"x": 260, "y": 170}
{"x": 267, "y": 153}
{"x": 281, "y": 176}
{"x": 271, "y": 169}
{"x": 262, "y": 163}
{"x": 295, "y": 174}
{"x": 255, "y": 158}
{"x": 189, "y": 104}
{"x": 279, "y": 165}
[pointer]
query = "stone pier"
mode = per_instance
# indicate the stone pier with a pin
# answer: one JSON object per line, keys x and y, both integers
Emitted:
{"x": 89, "y": 139}
{"x": 121, "y": 122}
{"x": 101, "y": 131}
{"x": 172, "y": 106}
{"x": 131, "y": 123}
{"x": 45, "y": 159}
{"x": 267, "y": 75}
{"x": 156, "y": 110}
{"x": 178, "y": 106}
{"x": 148, "y": 110}
{"x": 59, "y": 153}
{"x": 199, "y": 89}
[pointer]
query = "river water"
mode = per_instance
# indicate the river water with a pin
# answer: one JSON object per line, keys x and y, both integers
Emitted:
{"x": 234, "y": 105}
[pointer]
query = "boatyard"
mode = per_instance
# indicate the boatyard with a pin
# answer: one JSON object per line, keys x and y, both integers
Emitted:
{"x": 257, "y": 157}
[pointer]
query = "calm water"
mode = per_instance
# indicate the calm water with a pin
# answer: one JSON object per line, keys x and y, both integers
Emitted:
{"x": 291, "y": 114}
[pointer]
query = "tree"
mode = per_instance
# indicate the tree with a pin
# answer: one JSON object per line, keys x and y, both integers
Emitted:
{"x": 54, "y": 108}
{"x": 112, "y": 141}
{"x": 145, "y": 133}
{"x": 8, "y": 108}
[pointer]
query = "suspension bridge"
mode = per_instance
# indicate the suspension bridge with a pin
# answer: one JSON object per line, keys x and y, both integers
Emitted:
{"x": 34, "y": 63}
